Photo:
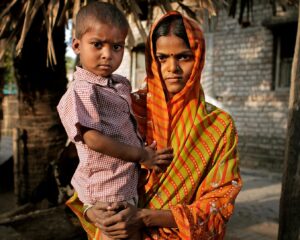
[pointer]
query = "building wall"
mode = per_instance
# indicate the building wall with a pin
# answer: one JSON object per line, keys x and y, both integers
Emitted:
{"x": 241, "y": 75}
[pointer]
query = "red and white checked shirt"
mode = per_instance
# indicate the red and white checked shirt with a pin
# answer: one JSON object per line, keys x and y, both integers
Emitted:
{"x": 102, "y": 104}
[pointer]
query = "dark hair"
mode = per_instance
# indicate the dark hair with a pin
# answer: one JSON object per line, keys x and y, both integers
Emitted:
{"x": 102, "y": 12}
{"x": 168, "y": 26}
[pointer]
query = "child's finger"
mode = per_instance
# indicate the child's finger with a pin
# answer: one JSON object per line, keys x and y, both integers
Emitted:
{"x": 161, "y": 163}
{"x": 165, "y": 150}
{"x": 157, "y": 169}
{"x": 152, "y": 145}
{"x": 168, "y": 157}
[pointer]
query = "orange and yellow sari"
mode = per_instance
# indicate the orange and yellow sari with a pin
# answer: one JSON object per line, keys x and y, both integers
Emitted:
{"x": 203, "y": 180}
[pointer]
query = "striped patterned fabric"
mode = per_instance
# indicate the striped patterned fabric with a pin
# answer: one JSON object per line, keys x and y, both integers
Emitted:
{"x": 203, "y": 180}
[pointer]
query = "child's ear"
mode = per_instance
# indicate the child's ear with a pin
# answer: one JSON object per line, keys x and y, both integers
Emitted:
{"x": 76, "y": 45}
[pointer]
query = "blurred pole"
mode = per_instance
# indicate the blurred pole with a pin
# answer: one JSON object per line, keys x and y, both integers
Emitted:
{"x": 289, "y": 213}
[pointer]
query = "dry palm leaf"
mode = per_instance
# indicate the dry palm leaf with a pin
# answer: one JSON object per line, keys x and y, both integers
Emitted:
{"x": 135, "y": 11}
{"x": 8, "y": 8}
{"x": 32, "y": 8}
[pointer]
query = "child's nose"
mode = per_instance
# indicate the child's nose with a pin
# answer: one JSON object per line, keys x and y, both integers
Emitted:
{"x": 106, "y": 52}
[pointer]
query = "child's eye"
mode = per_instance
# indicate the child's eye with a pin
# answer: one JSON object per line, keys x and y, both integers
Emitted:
{"x": 117, "y": 47}
{"x": 97, "y": 44}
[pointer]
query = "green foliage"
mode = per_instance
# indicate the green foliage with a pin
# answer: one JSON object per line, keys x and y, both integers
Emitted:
{"x": 70, "y": 63}
{"x": 10, "y": 86}
{"x": 8, "y": 65}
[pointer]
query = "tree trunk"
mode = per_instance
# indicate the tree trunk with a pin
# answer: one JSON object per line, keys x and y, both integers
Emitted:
{"x": 289, "y": 215}
{"x": 2, "y": 76}
{"x": 40, "y": 88}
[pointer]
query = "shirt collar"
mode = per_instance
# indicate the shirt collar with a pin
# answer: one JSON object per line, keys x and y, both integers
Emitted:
{"x": 82, "y": 74}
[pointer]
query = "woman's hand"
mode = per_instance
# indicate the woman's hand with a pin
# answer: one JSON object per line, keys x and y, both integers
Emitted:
{"x": 102, "y": 210}
{"x": 121, "y": 224}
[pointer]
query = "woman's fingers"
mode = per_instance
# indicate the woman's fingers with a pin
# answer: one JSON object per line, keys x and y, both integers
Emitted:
{"x": 117, "y": 234}
{"x": 117, "y": 206}
{"x": 110, "y": 220}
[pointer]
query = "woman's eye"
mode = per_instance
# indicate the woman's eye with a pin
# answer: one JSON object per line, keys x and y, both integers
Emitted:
{"x": 185, "y": 57}
{"x": 161, "y": 58}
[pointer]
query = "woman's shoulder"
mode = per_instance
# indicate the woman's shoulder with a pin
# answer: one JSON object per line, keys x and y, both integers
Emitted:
{"x": 218, "y": 111}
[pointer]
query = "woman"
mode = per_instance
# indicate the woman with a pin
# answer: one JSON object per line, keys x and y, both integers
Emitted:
{"x": 194, "y": 197}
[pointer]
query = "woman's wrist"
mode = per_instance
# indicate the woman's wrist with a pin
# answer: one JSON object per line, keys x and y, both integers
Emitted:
{"x": 145, "y": 216}
{"x": 157, "y": 218}
{"x": 89, "y": 215}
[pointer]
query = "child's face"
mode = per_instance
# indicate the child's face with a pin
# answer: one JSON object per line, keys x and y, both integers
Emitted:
{"x": 101, "y": 48}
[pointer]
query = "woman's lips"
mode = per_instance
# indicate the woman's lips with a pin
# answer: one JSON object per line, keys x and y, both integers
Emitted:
{"x": 173, "y": 79}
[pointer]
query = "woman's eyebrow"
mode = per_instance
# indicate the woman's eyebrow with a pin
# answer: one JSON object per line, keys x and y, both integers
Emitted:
{"x": 186, "y": 52}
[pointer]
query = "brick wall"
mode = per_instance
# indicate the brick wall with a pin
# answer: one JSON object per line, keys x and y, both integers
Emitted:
{"x": 239, "y": 68}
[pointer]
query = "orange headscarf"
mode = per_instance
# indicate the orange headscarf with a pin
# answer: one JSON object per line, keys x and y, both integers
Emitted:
{"x": 163, "y": 117}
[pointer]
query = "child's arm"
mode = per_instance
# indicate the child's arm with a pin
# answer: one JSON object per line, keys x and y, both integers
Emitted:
{"x": 108, "y": 146}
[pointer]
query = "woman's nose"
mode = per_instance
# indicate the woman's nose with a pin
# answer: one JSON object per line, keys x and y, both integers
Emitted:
{"x": 173, "y": 65}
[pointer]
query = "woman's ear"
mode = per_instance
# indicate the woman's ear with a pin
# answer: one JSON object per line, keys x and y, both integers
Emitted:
{"x": 76, "y": 45}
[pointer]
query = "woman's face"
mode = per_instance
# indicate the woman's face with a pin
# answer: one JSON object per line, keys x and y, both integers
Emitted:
{"x": 176, "y": 61}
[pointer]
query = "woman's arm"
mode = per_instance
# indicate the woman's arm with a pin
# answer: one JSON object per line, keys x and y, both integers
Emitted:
{"x": 157, "y": 218}
{"x": 129, "y": 220}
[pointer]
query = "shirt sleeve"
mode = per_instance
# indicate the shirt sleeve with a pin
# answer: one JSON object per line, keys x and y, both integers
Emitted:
{"x": 77, "y": 108}
{"x": 207, "y": 216}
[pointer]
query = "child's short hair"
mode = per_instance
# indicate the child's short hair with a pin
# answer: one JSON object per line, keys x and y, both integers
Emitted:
{"x": 102, "y": 12}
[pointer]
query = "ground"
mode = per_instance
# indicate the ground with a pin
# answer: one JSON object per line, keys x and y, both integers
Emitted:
{"x": 256, "y": 213}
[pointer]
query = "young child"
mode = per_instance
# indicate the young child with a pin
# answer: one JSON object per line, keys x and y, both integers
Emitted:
{"x": 97, "y": 116}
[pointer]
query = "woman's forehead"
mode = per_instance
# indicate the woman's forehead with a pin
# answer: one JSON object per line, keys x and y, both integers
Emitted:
{"x": 171, "y": 44}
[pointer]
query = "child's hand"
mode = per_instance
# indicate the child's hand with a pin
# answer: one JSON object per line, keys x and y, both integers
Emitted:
{"x": 157, "y": 160}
